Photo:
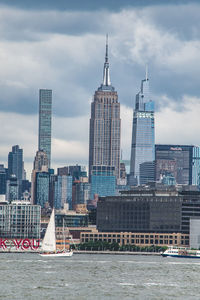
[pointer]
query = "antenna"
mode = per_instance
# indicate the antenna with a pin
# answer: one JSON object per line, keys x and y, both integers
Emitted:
{"x": 146, "y": 77}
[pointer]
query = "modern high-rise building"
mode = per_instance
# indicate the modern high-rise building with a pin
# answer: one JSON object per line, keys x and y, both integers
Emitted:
{"x": 103, "y": 181}
{"x": 45, "y": 112}
{"x": 105, "y": 125}
{"x": 179, "y": 161}
{"x": 63, "y": 192}
{"x": 143, "y": 141}
{"x": 12, "y": 188}
{"x": 16, "y": 165}
{"x": 3, "y": 177}
{"x": 42, "y": 189}
{"x": 20, "y": 220}
{"x": 40, "y": 165}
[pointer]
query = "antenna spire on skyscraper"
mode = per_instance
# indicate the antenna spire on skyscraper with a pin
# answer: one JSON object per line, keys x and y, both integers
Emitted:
{"x": 146, "y": 77}
{"x": 106, "y": 74}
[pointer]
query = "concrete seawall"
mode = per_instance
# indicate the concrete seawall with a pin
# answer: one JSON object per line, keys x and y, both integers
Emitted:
{"x": 116, "y": 252}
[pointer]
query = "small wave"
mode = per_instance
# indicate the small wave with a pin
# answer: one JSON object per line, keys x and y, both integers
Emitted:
{"x": 183, "y": 263}
{"x": 160, "y": 284}
{"x": 127, "y": 284}
{"x": 49, "y": 272}
{"x": 45, "y": 287}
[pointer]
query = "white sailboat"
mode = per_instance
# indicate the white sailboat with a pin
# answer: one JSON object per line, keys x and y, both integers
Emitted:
{"x": 49, "y": 241}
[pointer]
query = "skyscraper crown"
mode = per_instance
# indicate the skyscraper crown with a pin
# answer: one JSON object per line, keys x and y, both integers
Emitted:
{"x": 106, "y": 85}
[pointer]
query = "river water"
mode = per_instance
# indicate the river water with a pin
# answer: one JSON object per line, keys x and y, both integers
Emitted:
{"x": 91, "y": 277}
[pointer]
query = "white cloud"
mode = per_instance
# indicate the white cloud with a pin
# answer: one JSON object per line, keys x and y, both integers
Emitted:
{"x": 64, "y": 51}
{"x": 179, "y": 127}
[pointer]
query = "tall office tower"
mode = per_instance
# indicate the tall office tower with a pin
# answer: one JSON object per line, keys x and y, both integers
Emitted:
{"x": 42, "y": 189}
{"x": 143, "y": 142}
{"x": 16, "y": 165}
{"x": 12, "y": 189}
{"x": 182, "y": 162}
{"x": 81, "y": 193}
{"x": 15, "y": 162}
{"x": 3, "y": 177}
{"x": 63, "y": 192}
{"x": 45, "y": 112}
{"x": 40, "y": 165}
{"x": 105, "y": 125}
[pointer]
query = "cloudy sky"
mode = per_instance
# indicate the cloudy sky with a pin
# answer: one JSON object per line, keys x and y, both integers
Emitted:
{"x": 60, "y": 45}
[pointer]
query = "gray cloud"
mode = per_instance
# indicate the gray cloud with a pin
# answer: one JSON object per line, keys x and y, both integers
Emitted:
{"x": 113, "y": 5}
{"x": 64, "y": 51}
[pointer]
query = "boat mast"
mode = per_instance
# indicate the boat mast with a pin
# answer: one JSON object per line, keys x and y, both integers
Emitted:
{"x": 63, "y": 233}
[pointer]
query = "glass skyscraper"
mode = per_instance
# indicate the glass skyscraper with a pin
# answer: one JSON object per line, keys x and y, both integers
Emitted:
{"x": 16, "y": 166}
{"x": 63, "y": 192}
{"x": 105, "y": 125}
{"x": 42, "y": 189}
{"x": 103, "y": 181}
{"x": 143, "y": 140}
{"x": 45, "y": 112}
{"x": 180, "y": 161}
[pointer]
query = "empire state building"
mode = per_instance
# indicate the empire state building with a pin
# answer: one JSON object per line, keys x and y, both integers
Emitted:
{"x": 105, "y": 126}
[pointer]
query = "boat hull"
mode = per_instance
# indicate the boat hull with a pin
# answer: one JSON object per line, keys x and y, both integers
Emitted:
{"x": 180, "y": 256}
{"x": 62, "y": 254}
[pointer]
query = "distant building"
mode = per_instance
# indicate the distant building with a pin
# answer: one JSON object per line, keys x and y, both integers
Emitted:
{"x": 76, "y": 171}
{"x": 3, "y": 177}
{"x": 16, "y": 166}
{"x": 143, "y": 140}
{"x": 42, "y": 189}
{"x": 103, "y": 181}
{"x": 12, "y": 189}
{"x": 146, "y": 209}
{"x": 181, "y": 161}
{"x": 20, "y": 220}
{"x": 71, "y": 219}
{"x": 40, "y": 165}
{"x": 81, "y": 193}
{"x": 26, "y": 186}
{"x": 105, "y": 126}
{"x": 63, "y": 192}
{"x": 147, "y": 172}
{"x": 45, "y": 114}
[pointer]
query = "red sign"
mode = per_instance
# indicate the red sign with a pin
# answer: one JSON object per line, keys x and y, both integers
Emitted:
{"x": 19, "y": 244}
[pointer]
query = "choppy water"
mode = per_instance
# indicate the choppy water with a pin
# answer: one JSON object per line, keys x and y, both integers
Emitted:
{"x": 90, "y": 277}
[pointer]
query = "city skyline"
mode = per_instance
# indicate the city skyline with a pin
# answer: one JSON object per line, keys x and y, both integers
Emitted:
{"x": 66, "y": 56}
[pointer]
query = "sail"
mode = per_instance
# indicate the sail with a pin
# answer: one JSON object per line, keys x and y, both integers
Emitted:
{"x": 49, "y": 241}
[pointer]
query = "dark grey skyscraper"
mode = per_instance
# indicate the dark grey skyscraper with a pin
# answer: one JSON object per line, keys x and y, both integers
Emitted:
{"x": 105, "y": 125}
{"x": 45, "y": 112}
{"x": 143, "y": 144}
{"x": 15, "y": 163}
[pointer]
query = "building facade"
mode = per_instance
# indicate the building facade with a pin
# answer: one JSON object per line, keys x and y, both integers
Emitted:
{"x": 12, "y": 189}
{"x": 139, "y": 239}
{"x": 63, "y": 192}
{"x": 42, "y": 181}
{"x": 81, "y": 193}
{"x": 143, "y": 136}
{"x": 20, "y": 220}
{"x": 180, "y": 161}
{"x": 105, "y": 125}
{"x": 103, "y": 181}
{"x": 16, "y": 166}
{"x": 147, "y": 172}
{"x": 3, "y": 177}
{"x": 160, "y": 210}
{"x": 45, "y": 114}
